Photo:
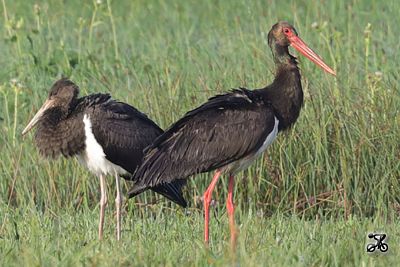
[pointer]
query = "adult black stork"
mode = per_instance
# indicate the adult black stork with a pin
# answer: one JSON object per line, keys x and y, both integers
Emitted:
{"x": 107, "y": 136}
{"x": 230, "y": 130}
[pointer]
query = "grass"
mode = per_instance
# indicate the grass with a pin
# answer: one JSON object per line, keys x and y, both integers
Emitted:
{"x": 311, "y": 200}
{"x": 66, "y": 239}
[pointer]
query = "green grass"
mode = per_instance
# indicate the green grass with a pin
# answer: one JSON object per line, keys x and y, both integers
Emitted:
{"x": 171, "y": 238}
{"x": 311, "y": 200}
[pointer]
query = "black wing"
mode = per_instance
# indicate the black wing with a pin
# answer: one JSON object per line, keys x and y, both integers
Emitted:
{"x": 124, "y": 132}
{"x": 226, "y": 128}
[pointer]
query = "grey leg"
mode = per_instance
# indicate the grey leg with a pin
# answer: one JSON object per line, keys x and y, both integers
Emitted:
{"x": 118, "y": 204}
{"x": 103, "y": 204}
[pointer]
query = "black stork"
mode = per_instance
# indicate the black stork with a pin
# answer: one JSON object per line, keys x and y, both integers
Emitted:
{"x": 106, "y": 136}
{"x": 231, "y": 130}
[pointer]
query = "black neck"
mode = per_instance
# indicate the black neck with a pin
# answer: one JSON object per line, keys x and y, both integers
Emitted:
{"x": 285, "y": 93}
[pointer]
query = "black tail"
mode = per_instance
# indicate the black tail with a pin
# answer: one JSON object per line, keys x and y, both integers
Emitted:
{"x": 172, "y": 191}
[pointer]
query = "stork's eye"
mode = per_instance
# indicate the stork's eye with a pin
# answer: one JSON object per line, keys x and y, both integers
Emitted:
{"x": 286, "y": 30}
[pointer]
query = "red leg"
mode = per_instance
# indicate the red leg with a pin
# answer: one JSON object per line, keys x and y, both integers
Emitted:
{"x": 230, "y": 207}
{"x": 207, "y": 199}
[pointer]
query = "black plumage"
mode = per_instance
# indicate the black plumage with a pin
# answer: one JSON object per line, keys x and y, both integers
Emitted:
{"x": 225, "y": 129}
{"x": 230, "y": 130}
{"x": 121, "y": 131}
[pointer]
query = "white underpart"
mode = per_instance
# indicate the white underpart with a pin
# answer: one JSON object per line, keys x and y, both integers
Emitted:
{"x": 93, "y": 157}
{"x": 270, "y": 138}
{"x": 245, "y": 162}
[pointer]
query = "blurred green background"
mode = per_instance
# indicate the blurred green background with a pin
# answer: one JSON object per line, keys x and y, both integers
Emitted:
{"x": 311, "y": 200}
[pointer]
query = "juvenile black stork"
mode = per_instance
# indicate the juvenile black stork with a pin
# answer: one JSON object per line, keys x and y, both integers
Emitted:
{"x": 107, "y": 136}
{"x": 231, "y": 130}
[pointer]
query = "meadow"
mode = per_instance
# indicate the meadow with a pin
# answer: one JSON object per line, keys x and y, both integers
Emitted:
{"x": 311, "y": 200}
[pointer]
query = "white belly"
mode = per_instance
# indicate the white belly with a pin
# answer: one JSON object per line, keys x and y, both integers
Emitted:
{"x": 244, "y": 163}
{"x": 93, "y": 156}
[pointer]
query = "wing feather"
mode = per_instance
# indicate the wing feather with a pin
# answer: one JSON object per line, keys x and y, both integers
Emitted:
{"x": 123, "y": 132}
{"x": 226, "y": 128}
